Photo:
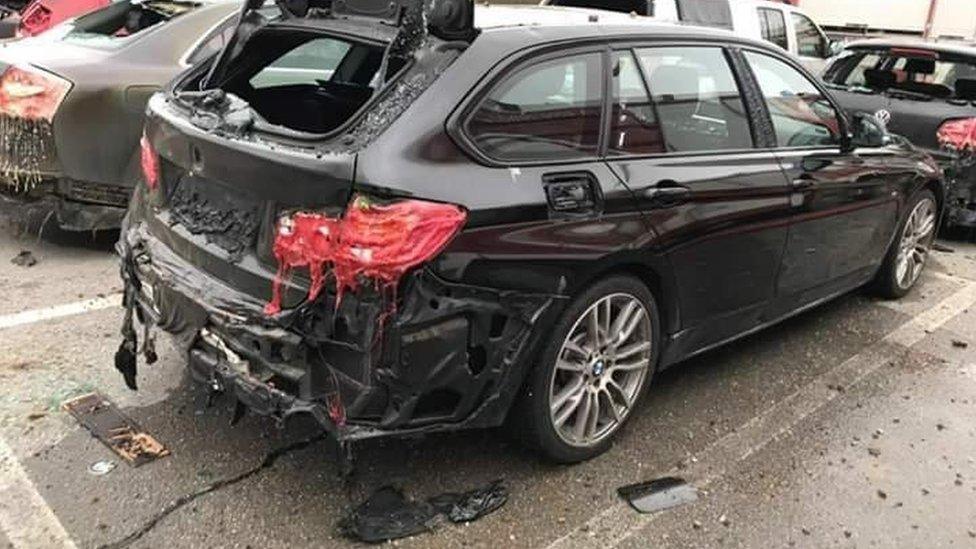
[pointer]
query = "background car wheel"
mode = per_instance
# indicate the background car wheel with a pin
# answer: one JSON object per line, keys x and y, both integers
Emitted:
{"x": 592, "y": 372}
{"x": 910, "y": 249}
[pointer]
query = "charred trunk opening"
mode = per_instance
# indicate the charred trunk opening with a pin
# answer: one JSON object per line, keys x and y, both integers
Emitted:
{"x": 306, "y": 81}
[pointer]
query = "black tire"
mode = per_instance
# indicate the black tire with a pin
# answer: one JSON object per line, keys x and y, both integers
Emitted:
{"x": 531, "y": 419}
{"x": 886, "y": 282}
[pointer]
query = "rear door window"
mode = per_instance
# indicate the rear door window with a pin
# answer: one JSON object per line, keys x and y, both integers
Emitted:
{"x": 696, "y": 98}
{"x": 772, "y": 26}
{"x": 549, "y": 110}
{"x": 802, "y": 116}
{"x": 809, "y": 41}
{"x": 308, "y": 64}
{"x": 634, "y": 128}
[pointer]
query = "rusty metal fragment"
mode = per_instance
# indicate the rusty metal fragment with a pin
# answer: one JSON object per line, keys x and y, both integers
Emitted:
{"x": 108, "y": 424}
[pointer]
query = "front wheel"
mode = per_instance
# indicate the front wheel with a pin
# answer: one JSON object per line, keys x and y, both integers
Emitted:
{"x": 591, "y": 374}
{"x": 910, "y": 250}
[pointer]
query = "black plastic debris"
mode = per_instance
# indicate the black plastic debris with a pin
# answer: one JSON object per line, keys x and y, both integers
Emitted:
{"x": 658, "y": 494}
{"x": 388, "y": 515}
{"x": 471, "y": 505}
{"x": 24, "y": 259}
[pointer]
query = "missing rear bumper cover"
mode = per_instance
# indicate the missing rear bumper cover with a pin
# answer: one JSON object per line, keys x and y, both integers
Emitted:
{"x": 450, "y": 357}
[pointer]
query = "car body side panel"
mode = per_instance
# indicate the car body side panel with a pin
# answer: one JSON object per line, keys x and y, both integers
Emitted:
{"x": 725, "y": 242}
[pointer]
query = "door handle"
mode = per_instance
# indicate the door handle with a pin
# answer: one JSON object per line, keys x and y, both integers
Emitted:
{"x": 666, "y": 194}
{"x": 803, "y": 183}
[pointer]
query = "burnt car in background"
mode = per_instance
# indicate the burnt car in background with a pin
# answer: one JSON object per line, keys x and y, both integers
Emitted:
{"x": 72, "y": 102}
{"x": 450, "y": 225}
{"x": 925, "y": 92}
{"x": 40, "y": 15}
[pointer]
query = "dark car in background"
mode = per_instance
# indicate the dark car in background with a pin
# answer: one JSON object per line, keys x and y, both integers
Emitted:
{"x": 72, "y": 102}
{"x": 520, "y": 218}
{"x": 925, "y": 92}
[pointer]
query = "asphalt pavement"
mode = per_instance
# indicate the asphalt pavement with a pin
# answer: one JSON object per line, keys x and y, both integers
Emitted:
{"x": 852, "y": 425}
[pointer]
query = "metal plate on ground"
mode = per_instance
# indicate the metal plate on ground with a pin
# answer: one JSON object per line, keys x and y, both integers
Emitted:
{"x": 107, "y": 423}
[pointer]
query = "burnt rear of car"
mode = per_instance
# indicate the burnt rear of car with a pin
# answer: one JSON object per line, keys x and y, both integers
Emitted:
{"x": 292, "y": 289}
{"x": 925, "y": 93}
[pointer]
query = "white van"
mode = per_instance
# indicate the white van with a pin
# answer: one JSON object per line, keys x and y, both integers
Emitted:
{"x": 782, "y": 24}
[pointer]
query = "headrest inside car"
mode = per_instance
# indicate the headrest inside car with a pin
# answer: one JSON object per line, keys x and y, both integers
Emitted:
{"x": 966, "y": 89}
{"x": 879, "y": 79}
{"x": 920, "y": 66}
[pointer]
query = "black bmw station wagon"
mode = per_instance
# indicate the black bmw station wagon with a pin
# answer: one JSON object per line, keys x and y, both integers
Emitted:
{"x": 404, "y": 218}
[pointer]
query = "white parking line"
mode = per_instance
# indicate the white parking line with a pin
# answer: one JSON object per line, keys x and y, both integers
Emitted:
{"x": 25, "y": 518}
{"x": 58, "y": 311}
{"x": 618, "y": 522}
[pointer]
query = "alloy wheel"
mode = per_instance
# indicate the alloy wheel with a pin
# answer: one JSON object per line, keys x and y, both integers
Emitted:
{"x": 600, "y": 369}
{"x": 916, "y": 239}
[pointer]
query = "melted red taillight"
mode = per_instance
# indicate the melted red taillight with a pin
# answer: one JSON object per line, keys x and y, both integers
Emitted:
{"x": 30, "y": 93}
{"x": 958, "y": 135}
{"x": 370, "y": 242}
{"x": 35, "y": 19}
{"x": 149, "y": 161}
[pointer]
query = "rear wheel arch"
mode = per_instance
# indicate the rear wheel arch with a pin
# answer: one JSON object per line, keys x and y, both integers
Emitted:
{"x": 652, "y": 277}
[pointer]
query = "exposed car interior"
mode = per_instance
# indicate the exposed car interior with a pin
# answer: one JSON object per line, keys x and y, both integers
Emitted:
{"x": 917, "y": 72}
{"x": 307, "y": 82}
{"x": 127, "y": 18}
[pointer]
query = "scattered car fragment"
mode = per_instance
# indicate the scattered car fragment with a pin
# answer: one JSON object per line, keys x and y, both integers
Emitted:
{"x": 439, "y": 225}
{"x": 658, "y": 494}
{"x": 72, "y": 102}
{"x": 925, "y": 92}
{"x": 388, "y": 515}
{"x": 107, "y": 423}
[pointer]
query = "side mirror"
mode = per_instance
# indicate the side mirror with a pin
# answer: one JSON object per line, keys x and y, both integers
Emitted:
{"x": 834, "y": 47}
{"x": 867, "y": 131}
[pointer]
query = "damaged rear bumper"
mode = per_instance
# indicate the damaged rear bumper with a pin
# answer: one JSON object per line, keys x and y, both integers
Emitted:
{"x": 450, "y": 357}
{"x": 49, "y": 198}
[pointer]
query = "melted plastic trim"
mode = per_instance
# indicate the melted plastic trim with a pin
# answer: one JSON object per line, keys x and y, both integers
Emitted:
{"x": 453, "y": 356}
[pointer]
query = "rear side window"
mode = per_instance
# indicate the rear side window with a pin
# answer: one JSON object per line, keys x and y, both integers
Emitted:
{"x": 549, "y": 110}
{"x": 809, "y": 41}
{"x": 113, "y": 25}
{"x": 802, "y": 116}
{"x": 634, "y": 128}
{"x": 309, "y": 64}
{"x": 696, "y": 98}
{"x": 772, "y": 26}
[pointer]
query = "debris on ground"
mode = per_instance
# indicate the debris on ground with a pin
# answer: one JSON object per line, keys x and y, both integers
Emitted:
{"x": 102, "y": 467}
{"x": 24, "y": 259}
{"x": 939, "y": 247}
{"x": 874, "y": 452}
{"x": 388, "y": 515}
{"x": 34, "y": 416}
{"x": 658, "y": 494}
{"x": 959, "y": 343}
{"x": 108, "y": 424}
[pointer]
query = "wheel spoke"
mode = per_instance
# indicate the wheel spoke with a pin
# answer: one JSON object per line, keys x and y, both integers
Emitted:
{"x": 629, "y": 366}
{"x": 582, "y": 417}
{"x": 622, "y": 317}
{"x": 569, "y": 366}
{"x": 631, "y": 325}
{"x": 612, "y": 406}
{"x": 614, "y": 387}
{"x": 576, "y": 348}
{"x": 631, "y": 350}
{"x": 593, "y": 418}
{"x": 926, "y": 227}
{"x": 571, "y": 390}
{"x": 593, "y": 327}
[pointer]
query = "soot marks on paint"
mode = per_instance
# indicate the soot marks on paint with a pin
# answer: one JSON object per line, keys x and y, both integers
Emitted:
{"x": 230, "y": 226}
{"x": 26, "y": 145}
{"x": 388, "y": 515}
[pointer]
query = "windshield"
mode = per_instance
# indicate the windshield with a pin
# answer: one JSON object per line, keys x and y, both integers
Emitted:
{"x": 113, "y": 25}
{"x": 915, "y": 72}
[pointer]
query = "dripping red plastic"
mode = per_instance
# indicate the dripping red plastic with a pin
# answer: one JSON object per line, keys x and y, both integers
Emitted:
{"x": 371, "y": 242}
